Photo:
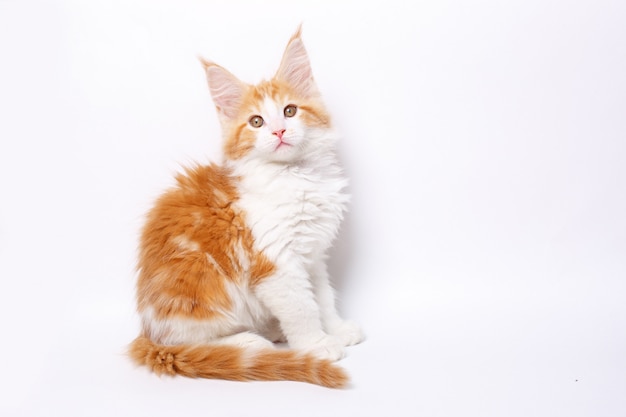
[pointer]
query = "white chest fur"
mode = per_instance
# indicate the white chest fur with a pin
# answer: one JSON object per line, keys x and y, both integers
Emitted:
{"x": 295, "y": 209}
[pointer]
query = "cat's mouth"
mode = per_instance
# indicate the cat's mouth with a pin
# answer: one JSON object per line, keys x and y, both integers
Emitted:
{"x": 281, "y": 144}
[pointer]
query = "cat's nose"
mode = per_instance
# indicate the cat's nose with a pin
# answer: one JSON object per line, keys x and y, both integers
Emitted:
{"x": 279, "y": 133}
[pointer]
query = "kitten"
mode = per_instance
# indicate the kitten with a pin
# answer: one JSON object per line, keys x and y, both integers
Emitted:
{"x": 233, "y": 258}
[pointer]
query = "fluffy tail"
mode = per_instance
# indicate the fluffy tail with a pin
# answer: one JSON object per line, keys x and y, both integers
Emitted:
{"x": 234, "y": 363}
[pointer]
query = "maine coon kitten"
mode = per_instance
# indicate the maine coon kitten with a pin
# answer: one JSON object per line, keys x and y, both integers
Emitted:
{"x": 233, "y": 258}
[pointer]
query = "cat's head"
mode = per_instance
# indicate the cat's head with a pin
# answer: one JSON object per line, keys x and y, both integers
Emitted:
{"x": 275, "y": 120}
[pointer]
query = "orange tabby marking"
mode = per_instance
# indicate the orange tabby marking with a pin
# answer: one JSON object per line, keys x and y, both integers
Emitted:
{"x": 194, "y": 242}
{"x": 199, "y": 268}
{"x": 227, "y": 362}
{"x": 239, "y": 140}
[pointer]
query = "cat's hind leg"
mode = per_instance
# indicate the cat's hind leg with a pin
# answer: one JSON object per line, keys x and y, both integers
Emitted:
{"x": 184, "y": 331}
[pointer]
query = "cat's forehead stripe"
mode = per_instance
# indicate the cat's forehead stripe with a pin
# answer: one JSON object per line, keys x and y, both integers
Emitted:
{"x": 270, "y": 107}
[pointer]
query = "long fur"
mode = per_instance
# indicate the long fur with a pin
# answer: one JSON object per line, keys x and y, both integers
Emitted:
{"x": 237, "y": 364}
{"x": 233, "y": 258}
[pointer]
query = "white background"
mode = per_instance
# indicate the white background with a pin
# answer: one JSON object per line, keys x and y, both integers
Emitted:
{"x": 485, "y": 252}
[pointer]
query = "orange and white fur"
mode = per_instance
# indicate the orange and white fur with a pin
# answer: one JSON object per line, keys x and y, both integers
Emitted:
{"x": 233, "y": 258}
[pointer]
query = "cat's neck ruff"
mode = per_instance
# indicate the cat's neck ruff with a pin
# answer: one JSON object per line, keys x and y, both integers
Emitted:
{"x": 298, "y": 205}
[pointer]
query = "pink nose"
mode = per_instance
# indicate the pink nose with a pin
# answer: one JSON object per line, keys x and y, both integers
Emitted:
{"x": 279, "y": 133}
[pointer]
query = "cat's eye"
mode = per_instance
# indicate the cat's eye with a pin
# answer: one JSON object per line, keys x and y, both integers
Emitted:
{"x": 290, "y": 110}
{"x": 256, "y": 121}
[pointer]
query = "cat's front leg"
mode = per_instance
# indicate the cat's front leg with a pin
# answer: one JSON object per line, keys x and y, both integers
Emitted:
{"x": 289, "y": 297}
{"x": 346, "y": 331}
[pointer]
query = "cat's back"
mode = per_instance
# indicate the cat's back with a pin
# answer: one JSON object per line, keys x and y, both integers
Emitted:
{"x": 197, "y": 211}
{"x": 203, "y": 194}
{"x": 191, "y": 227}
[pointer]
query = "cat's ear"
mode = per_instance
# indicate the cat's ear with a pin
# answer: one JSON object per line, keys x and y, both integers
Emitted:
{"x": 295, "y": 68}
{"x": 226, "y": 89}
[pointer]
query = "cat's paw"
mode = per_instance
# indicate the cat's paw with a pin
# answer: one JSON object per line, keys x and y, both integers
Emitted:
{"x": 328, "y": 347}
{"x": 347, "y": 333}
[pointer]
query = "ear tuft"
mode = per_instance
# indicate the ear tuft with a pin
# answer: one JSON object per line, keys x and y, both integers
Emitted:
{"x": 295, "y": 67}
{"x": 226, "y": 89}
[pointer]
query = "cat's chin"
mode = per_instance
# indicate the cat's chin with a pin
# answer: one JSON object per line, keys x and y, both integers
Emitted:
{"x": 282, "y": 146}
{"x": 286, "y": 153}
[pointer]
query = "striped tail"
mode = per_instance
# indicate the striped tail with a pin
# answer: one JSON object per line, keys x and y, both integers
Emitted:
{"x": 235, "y": 363}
